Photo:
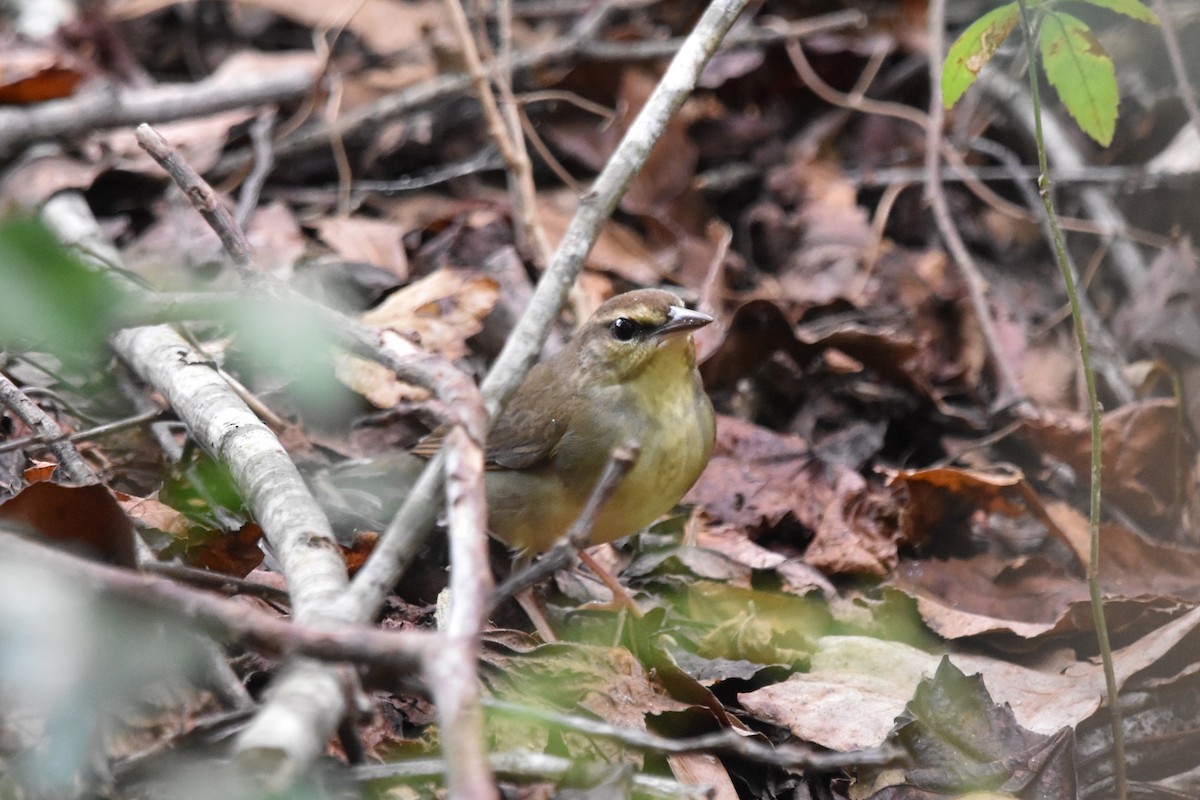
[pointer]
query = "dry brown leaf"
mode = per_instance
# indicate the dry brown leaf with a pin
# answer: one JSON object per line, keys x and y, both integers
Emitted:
{"x": 30, "y": 183}
{"x": 1032, "y": 597}
{"x": 373, "y": 241}
{"x": 948, "y": 496}
{"x": 618, "y": 250}
{"x": 755, "y": 477}
{"x": 1144, "y": 456}
{"x": 243, "y": 64}
{"x": 946, "y": 617}
{"x": 439, "y": 312}
{"x": 375, "y": 382}
{"x": 703, "y": 769}
{"x": 422, "y": 210}
{"x": 275, "y": 239}
{"x": 198, "y": 141}
{"x": 986, "y": 593}
{"x": 435, "y": 314}
{"x": 399, "y": 76}
{"x": 856, "y": 531}
{"x": 1132, "y": 565}
{"x": 84, "y": 519}
{"x": 36, "y": 72}
{"x": 153, "y": 513}
{"x": 671, "y": 165}
{"x": 856, "y": 686}
{"x": 386, "y": 26}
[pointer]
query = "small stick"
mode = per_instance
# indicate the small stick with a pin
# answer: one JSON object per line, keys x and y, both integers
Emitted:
{"x": 396, "y": 653}
{"x": 726, "y": 740}
{"x": 264, "y": 161}
{"x": 37, "y": 441}
{"x": 504, "y": 129}
{"x": 201, "y": 194}
{"x": 1008, "y": 385}
{"x": 229, "y": 585}
{"x": 108, "y": 108}
{"x": 70, "y": 462}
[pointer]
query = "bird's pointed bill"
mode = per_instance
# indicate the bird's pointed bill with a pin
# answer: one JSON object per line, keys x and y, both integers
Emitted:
{"x": 681, "y": 320}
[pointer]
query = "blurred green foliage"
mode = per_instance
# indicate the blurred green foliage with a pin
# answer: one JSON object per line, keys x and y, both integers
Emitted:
{"x": 52, "y": 302}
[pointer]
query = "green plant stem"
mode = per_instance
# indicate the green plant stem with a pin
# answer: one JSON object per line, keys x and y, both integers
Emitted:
{"x": 1089, "y": 377}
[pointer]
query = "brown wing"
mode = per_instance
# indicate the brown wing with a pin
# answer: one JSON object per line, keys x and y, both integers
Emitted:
{"x": 534, "y": 421}
{"x": 528, "y": 431}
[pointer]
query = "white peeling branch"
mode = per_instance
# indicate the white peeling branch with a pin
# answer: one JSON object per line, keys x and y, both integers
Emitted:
{"x": 308, "y": 701}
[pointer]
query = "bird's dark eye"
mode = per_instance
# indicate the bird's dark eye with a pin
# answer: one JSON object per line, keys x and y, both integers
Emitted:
{"x": 623, "y": 329}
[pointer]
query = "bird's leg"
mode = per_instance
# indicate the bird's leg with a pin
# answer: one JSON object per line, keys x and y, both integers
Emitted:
{"x": 621, "y": 596}
{"x": 529, "y": 605}
{"x": 620, "y": 462}
{"x": 525, "y": 599}
{"x": 573, "y": 543}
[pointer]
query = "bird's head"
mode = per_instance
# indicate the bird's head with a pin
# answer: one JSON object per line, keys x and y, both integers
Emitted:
{"x": 637, "y": 331}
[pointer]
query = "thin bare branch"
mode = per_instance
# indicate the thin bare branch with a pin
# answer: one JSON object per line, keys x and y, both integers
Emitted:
{"x": 114, "y": 108}
{"x": 70, "y": 462}
{"x": 264, "y": 161}
{"x": 1008, "y": 386}
{"x": 581, "y": 45}
{"x": 451, "y": 670}
{"x": 725, "y": 741}
{"x": 201, "y": 195}
{"x": 34, "y": 442}
{"x": 396, "y": 652}
{"x": 505, "y": 131}
{"x": 1187, "y": 92}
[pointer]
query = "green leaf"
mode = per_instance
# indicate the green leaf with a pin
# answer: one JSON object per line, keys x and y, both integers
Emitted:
{"x": 1130, "y": 8}
{"x": 1081, "y": 71}
{"x": 972, "y": 50}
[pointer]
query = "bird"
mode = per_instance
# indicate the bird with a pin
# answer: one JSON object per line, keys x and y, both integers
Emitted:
{"x": 628, "y": 375}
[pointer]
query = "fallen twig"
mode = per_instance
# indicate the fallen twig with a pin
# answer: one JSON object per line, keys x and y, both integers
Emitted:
{"x": 1008, "y": 386}
{"x": 397, "y": 653}
{"x": 115, "y": 108}
{"x": 726, "y": 741}
{"x": 70, "y": 462}
{"x": 33, "y": 442}
{"x": 580, "y": 46}
{"x": 505, "y": 129}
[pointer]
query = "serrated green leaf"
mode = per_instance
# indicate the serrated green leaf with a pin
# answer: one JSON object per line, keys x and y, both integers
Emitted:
{"x": 974, "y": 48}
{"x": 1130, "y": 8}
{"x": 1081, "y": 71}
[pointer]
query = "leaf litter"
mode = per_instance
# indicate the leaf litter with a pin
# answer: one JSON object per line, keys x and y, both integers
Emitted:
{"x": 870, "y": 533}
